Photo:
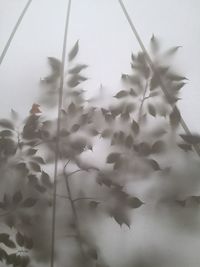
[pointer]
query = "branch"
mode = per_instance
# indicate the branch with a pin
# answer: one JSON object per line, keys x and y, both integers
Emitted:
{"x": 75, "y": 215}
{"x": 85, "y": 198}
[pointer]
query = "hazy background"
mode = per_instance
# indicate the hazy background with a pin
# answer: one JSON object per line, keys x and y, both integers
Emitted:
{"x": 106, "y": 43}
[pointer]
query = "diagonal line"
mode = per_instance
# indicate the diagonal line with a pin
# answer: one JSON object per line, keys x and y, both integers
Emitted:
{"x": 58, "y": 134}
{"x": 153, "y": 68}
{"x": 14, "y": 31}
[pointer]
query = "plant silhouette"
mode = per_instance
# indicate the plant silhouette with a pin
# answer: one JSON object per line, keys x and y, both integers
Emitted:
{"x": 139, "y": 131}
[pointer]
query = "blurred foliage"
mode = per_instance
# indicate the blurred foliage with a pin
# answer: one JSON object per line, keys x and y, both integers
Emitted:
{"x": 139, "y": 131}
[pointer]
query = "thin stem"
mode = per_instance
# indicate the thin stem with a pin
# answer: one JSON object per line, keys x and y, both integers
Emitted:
{"x": 72, "y": 173}
{"x": 156, "y": 72}
{"x": 75, "y": 215}
{"x": 58, "y": 134}
{"x": 84, "y": 198}
{"x": 142, "y": 102}
{"x": 14, "y": 31}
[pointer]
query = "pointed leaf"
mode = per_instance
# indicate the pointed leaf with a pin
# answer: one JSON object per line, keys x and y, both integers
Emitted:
{"x": 74, "y": 51}
{"x": 113, "y": 157}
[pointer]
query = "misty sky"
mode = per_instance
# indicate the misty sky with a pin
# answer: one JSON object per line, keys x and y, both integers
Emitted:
{"x": 106, "y": 43}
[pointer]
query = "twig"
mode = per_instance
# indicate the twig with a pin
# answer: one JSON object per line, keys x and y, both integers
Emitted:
{"x": 14, "y": 31}
{"x": 74, "y": 212}
{"x": 85, "y": 198}
{"x": 142, "y": 102}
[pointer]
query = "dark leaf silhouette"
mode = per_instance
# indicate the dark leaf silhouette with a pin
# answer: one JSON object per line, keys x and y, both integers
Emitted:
{"x": 121, "y": 94}
{"x": 46, "y": 179}
{"x": 185, "y": 147}
{"x": 19, "y": 239}
{"x": 135, "y": 127}
{"x": 77, "y": 69}
{"x": 6, "y": 124}
{"x": 134, "y": 202}
{"x": 35, "y": 166}
{"x": 175, "y": 117}
{"x": 158, "y": 147}
{"x": 154, "y": 164}
{"x": 152, "y": 110}
{"x": 17, "y": 197}
{"x": 29, "y": 202}
{"x": 113, "y": 157}
{"x": 154, "y": 44}
{"x": 73, "y": 52}
{"x": 191, "y": 139}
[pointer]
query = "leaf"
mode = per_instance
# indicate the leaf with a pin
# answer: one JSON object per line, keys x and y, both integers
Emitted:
{"x": 77, "y": 69}
{"x": 6, "y": 133}
{"x": 6, "y": 124}
{"x": 152, "y": 110}
{"x": 55, "y": 65}
{"x": 3, "y": 237}
{"x": 154, "y": 164}
{"x": 172, "y": 51}
{"x": 135, "y": 127}
{"x": 121, "y": 94}
{"x": 158, "y": 147}
{"x": 32, "y": 179}
{"x": 34, "y": 166}
{"x": 9, "y": 243}
{"x": 29, "y": 202}
{"x": 134, "y": 202}
{"x": 130, "y": 107}
{"x": 175, "y": 117}
{"x": 185, "y": 147}
{"x": 125, "y": 116}
{"x": 17, "y": 197}
{"x": 121, "y": 217}
{"x": 39, "y": 160}
{"x": 74, "y": 51}
{"x": 46, "y": 179}
{"x": 93, "y": 204}
{"x": 75, "y": 128}
{"x": 113, "y": 157}
{"x": 154, "y": 44}
{"x": 3, "y": 255}
{"x": 40, "y": 188}
{"x": 106, "y": 133}
{"x": 72, "y": 108}
{"x": 19, "y": 239}
{"x": 73, "y": 81}
{"x": 191, "y": 139}
{"x": 14, "y": 115}
{"x": 155, "y": 82}
{"x": 175, "y": 77}
{"x": 132, "y": 92}
{"x": 178, "y": 86}
{"x": 143, "y": 149}
{"x": 129, "y": 141}
{"x": 31, "y": 151}
{"x": 28, "y": 242}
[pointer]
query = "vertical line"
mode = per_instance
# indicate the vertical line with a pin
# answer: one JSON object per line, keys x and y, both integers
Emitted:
{"x": 60, "y": 98}
{"x": 152, "y": 66}
{"x": 14, "y": 31}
